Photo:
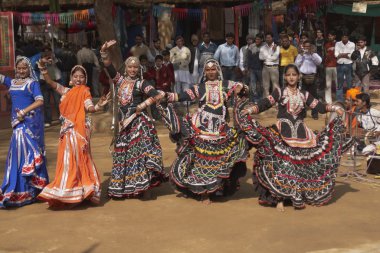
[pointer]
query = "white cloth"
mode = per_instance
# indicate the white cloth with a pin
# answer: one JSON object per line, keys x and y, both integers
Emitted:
{"x": 307, "y": 63}
{"x": 370, "y": 120}
{"x": 374, "y": 60}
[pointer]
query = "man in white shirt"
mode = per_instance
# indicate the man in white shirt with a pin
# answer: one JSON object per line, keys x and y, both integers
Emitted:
{"x": 243, "y": 58}
{"x": 343, "y": 51}
{"x": 307, "y": 61}
{"x": 368, "y": 119}
{"x": 270, "y": 54}
{"x": 366, "y": 62}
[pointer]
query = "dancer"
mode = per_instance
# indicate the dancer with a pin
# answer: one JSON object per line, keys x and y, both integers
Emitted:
{"x": 25, "y": 168}
{"x": 137, "y": 156}
{"x": 76, "y": 177}
{"x": 291, "y": 162}
{"x": 211, "y": 155}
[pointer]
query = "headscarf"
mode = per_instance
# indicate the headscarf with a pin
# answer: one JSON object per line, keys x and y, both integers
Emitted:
{"x": 32, "y": 74}
{"x": 209, "y": 63}
{"x": 133, "y": 60}
{"x": 82, "y": 68}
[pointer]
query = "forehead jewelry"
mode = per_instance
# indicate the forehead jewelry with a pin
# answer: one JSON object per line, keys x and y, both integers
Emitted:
{"x": 210, "y": 64}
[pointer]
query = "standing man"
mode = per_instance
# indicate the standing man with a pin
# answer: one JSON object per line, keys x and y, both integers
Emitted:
{"x": 366, "y": 62}
{"x": 288, "y": 54}
{"x": 193, "y": 66}
{"x": 228, "y": 56}
{"x": 207, "y": 50}
{"x": 88, "y": 59}
{"x": 270, "y": 54}
{"x": 343, "y": 51}
{"x": 180, "y": 57}
{"x": 330, "y": 66}
{"x": 243, "y": 58}
{"x": 141, "y": 49}
{"x": 156, "y": 49}
{"x": 319, "y": 44}
{"x": 307, "y": 61}
{"x": 255, "y": 68}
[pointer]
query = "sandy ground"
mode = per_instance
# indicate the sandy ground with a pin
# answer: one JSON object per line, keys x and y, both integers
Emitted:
{"x": 350, "y": 223}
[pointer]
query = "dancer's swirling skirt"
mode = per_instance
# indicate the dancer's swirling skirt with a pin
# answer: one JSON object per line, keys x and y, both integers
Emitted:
{"x": 137, "y": 160}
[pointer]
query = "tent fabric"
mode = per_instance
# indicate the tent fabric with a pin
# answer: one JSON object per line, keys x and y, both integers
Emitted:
{"x": 373, "y": 10}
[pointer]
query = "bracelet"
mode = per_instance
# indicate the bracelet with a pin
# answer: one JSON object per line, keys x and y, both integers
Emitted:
{"x": 22, "y": 112}
{"x": 97, "y": 107}
{"x": 250, "y": 110}
{"x": 104, "y": 55}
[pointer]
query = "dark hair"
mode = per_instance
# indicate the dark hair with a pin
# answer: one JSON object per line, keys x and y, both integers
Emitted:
{"x": 259, "y": 35}
{"x": 345, "y": 34}
{"x": 362, "y": 38}
{"x": 143, "y": 57}
{"x": 156, "y": 40}
{"x": 165, "y": 52}
{"x": 291, "y": 66}
{"x": 306, "y": 42}
{"x": 139, "y": 35}
{"x": 269, "y": 33}
{"x": 332, "y": 32}
{"x": 159, "y": 57}
{"x": 304, "y": 34}
{"x": 230, "y": 35}
{"x": 365, "y": 98}
{"x": 179, "y": 37}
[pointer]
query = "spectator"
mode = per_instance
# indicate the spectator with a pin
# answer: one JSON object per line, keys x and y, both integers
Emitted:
{"x": 141, "y": 49}
{"x": 228, "y": 56}
{"x": 307, "y": 62}
{"x": 319, "y": 44}
{"x": 180, "y": 57}
{"x": 330, "y": 66}
{"x": 194, "y": 62}
{"x": 169, "y": 65}
{"x": 87, "y": 58}
{"x": 270, "y": 54}
{"x": 255, "y": 68}
{"x": 366, "y": 62}
{"x": 243, "y": 58}
{"x": 156, "y": 49}
{"x": 207, "y": 50}
{"x": 288, "y": 54}
{"x": 343, "y": 51}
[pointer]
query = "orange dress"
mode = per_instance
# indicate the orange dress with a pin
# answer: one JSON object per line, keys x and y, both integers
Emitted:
{"x": 76, "y": 177}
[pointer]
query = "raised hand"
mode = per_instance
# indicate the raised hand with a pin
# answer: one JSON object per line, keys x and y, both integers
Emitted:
{"x": 107, "y": 45}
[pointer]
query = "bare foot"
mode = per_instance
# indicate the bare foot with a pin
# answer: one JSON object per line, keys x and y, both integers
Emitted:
{"x": 206, "y": 199}
{"x": 280, "y": 207}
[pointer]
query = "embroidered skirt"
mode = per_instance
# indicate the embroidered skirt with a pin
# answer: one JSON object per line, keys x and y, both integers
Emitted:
{"x": 137, "y": 160}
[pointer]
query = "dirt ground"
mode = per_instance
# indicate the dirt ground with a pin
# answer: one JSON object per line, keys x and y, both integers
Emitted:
{"x": 350, "y": 223}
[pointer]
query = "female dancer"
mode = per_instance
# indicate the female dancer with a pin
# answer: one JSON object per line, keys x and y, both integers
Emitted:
{"x": 137, "y": 156}
{"x": 25, "y": 171}
{"x": 76, "y": 178}
{"x": 290, "y": 161}
{"x": 211, "y": 155}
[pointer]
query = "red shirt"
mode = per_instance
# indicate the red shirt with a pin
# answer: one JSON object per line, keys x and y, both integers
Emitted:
{"x": 330, "y": 60}
{"x": 163, "y": 77}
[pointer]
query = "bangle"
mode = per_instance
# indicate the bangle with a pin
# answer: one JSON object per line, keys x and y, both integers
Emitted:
{"x": 104, "y": 55}
{"x": 22, "y": 112}
{"x": 97, "y": 107}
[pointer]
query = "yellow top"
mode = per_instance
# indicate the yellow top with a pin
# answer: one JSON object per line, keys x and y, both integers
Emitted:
{"x": 287, "y": 56}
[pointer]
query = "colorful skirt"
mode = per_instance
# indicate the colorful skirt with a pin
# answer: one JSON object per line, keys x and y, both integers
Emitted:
{"x": 25, "y": 171}
{"x": 303, "y": 175}
{"x": 76, "y": 177}
{"x": 137, "y": 160}
{"x": 205, "y": 165}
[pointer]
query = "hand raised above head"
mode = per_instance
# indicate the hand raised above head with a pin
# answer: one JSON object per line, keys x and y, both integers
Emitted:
{"x": 107, "y": 45}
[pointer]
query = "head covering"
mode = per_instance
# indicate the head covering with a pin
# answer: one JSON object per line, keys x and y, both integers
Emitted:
{"x": 80, "y": 67}
{"x": 351, "y": 93}
{"x": 32, "y": 74}
{"x": 209, "y": 63}
{"x": 133, "y": 60}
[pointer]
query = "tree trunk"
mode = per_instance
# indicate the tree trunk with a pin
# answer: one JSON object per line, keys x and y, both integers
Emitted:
{"x": 104, "y": 23}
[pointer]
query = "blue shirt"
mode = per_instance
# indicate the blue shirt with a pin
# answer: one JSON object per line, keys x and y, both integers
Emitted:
{"x": 227, "y": 55}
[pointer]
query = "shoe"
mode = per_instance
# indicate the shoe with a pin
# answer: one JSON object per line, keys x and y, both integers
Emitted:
{"x": 47, "y": 125}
